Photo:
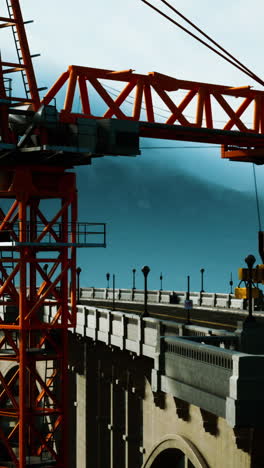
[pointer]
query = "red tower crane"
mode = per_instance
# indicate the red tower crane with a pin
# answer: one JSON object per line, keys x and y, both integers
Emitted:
{"x": 38, "y": 145}
{"x": 37, "y": 265}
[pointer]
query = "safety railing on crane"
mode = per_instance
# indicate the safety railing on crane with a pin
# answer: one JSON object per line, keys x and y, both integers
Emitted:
{"x": 80, "y": 235}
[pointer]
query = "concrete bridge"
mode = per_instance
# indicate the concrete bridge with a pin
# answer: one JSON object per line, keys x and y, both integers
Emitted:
{"x": 150, "y": 393}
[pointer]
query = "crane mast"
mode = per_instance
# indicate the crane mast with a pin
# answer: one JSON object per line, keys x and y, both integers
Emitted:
{"x": 37, "y": 267}
{"x": 38, "y": 145}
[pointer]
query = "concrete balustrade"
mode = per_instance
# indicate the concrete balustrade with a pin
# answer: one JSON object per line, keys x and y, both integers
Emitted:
{"x": 224, "y": 382}
{"x": 131, "y": 332}
{"x": 196, "y": 373}
{"x": 217, "y": 300}
{"x": 208, "y": 354}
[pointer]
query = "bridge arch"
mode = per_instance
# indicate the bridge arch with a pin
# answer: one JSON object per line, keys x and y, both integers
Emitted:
{"x": 175, "y": 452}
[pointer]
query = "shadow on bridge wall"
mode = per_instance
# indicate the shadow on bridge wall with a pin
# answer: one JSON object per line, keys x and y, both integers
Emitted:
{"x": 109, "y": 388}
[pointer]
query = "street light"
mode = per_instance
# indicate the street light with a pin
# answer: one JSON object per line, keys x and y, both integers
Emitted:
{"x": 250, "y": 260}
{"x": 188, "y": 288}
{"x": 231, "y": 284}
{"x": 188, "y": 303}
{"x": 134, "y": 278}
{"x": 161, "y": 278}
{"x": 202, "y": 280}
{"x": 145, "y": 270}
{"x": 113, "y": 292}
{"x": 107, "y": 279}
{"x": 78, "y": 271}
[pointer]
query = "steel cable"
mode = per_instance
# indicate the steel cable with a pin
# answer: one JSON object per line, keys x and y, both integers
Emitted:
{"x": 254, "y": 76}
{"x": 233, "y": 62}
{"x": 257, "y": 198}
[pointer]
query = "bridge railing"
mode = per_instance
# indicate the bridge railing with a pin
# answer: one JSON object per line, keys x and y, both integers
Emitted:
{"x": 224, "y": 382}
{"x": 201, "y": 352}
{"x": 205, "y": 299}
{"x": 142, "y": 336}
{"x": 222, "y": 341}
{"x": 204, "y": 369}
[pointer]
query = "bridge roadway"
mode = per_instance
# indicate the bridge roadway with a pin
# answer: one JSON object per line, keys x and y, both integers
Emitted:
{"x": 202, "y": 316}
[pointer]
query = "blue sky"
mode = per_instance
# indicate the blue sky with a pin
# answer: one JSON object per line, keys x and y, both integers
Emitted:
{"x": 122, "y": 34}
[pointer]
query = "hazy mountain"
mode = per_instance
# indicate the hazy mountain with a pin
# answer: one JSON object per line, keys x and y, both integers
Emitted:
{"x": 159, "y": 215}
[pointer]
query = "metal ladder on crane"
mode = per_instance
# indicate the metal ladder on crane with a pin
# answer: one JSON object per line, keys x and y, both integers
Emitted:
{"x": 18, "y": 49}
{"x": 49, "y": 379}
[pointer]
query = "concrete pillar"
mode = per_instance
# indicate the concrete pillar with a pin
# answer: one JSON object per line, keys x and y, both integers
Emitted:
{"x": 81, "y": 420}
{"x": 91, "y": 407}
{"x": 86, "y": 409}
{"x": 117, "y": 424}
{"x": 103, "y": 417}
{"x": 72, "y": 416}
{"x": 133, "y": 430}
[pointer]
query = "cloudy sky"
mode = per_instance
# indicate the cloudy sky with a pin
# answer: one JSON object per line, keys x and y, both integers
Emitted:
{"x": 121, "y": 34}
{"x": 178, "y": 209}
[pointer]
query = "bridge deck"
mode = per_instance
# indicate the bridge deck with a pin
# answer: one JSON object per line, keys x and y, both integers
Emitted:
{"x": 200, "y": 365}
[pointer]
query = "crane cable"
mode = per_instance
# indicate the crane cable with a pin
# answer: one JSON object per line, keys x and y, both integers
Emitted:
{"x": 257, "y": 197}
{"x": 253, "y": 75}
{"x": 232, "y": 60}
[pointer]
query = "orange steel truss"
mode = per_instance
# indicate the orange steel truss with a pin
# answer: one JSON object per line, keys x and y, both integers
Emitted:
{"x": 242, "y": 123}
{"x": 145, "y": 85}
{"x": 37, "y": 271}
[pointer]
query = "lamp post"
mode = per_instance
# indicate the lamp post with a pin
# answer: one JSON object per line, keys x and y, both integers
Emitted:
{"x": 107, "y": 279}
{"x": 188, "y": 303}
{"x": 145, "y": 270}
{"x": 113, "y": 292}
{"x": 134, "y": 278}
{"x": 161, "y": 278}
{"x": 231, "y": 284}
{"x": 78, "y": 271}
{"x": 250, "y": 260}
{"x": 202, "y": 280}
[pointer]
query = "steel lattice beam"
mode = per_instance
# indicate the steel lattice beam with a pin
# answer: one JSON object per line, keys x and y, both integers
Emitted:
{"x": 145, "y": 87}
